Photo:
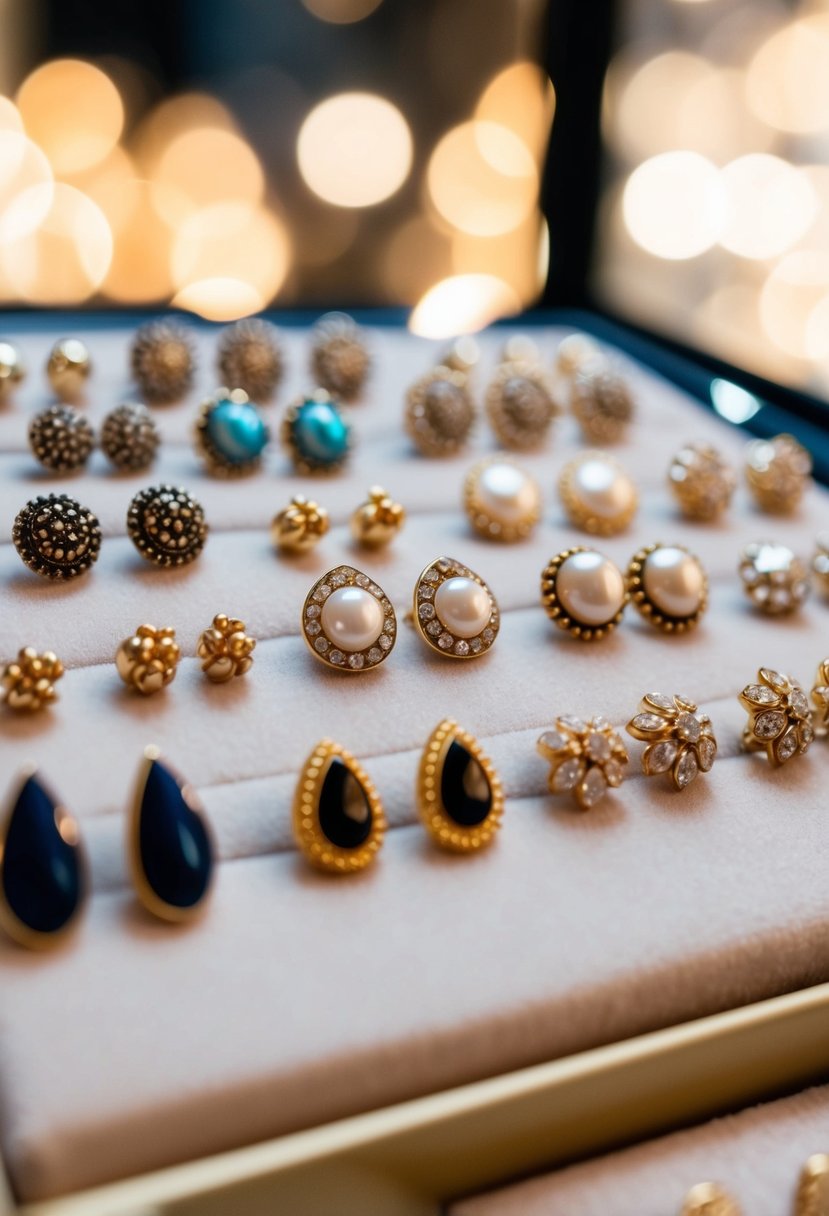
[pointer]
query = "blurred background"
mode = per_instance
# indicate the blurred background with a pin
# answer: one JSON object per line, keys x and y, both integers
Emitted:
{"x": 664, "y": 160}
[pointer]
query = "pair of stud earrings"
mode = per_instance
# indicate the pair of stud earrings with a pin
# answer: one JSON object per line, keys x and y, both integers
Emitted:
{"x": 811, "y": 1197}
{"x": 338, "y": 819}
{"x": 301, "y": 525}
{"x": 147, "y": 660}
{"x": 62, "y": 439}
{"x": 43, "y": 871}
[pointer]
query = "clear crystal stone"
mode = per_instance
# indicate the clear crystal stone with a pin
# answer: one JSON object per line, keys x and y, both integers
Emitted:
{"x": 707, "y": 750}
{"x": 598, "y": 746}
{"x": 660, "y": 701}
{"x": 600, "y": 723}
{"x": 313, "y": 610}
{"x": 362, "y": 580}
{"x": 337, "y": 656}
{"x": 446, "y": 641}
{"x": 660, "y": 756}
{"x": 488, "y": 634}
{"x": 760, "y": 694}
{"x": 313, "y": 628}
{"x": 770, "y": 724}
{"x": 552, "y": 740}
{"x": 321, "y": 645}
{"x": 462, "y": 648}
{"x": 593, "y": 787}
{"x": 376, "y": 591}
{"x": 476, "y": 645}
{"x": 573, "y": 724}
{"x": 774, "y": 678}
{"x": 688, "y": 727}
{"x": 687, "y": 769}
{"x": 337, "y": 579}
{"x": 787, "y": 746}
{"x": 389, "y": 626}
{"x": 799, "y": 703}
{"x": 614, "y": 772}
{"x": 356, "y": 661}
{"x": 805, "y": 735}
{"x": 322, "y": 592}
{"x": 426, "y": 612}
{"x": 374, "y": 655}
{"x": 648, "y": 722}
{"x": 567, "y": 776}
{"x": 432, "y": 576}
{"x": 434, "y": 628}
{"x": 384, "y": 642}
{"x": 426, "y": 593}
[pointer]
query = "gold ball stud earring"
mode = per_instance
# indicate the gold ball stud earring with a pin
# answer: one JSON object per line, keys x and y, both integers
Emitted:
{"x": 820, "y": 699}
{"x": 68, "y": 368}
{"x": 584, "y": 593}
{"x": 12, "y": 370}
{"x": 340, "y": 361}
{"x": 462, "y": 355}
{"x": 813, "y": 1187}
{"x": 163, "y": 360}
{"x": 780, "y": 720}
{"x": 440, "y": 413}
{"x": 820, "y": 563}
{"x": 348, "y": 621}
{"x": 454, "y": 610}
{"x": 586, "y": 759}
{"x": 225, "y": 649}
{"x": 377, "y": 520}
{"x": 251, "y": 358}
{"x": 575, "y": 351}
{"x": 148, "y": 660}
{"x": 701, "y": 481}
{"x": 774, "y": 579}
{"x": 130, "y": 437}
{"x": 521, "y": 405}
{"x": 710, "y": 1199}
{"x": 27, "y": 684}
{"x": 459, "y": 795}
{"x": 597, "y": 494}
{"x": 338, "y": 820}
{"x": 778, "y": 472}
{"x": 680, "y": 740}
{"x": 501, "y": 500}
{"x": 601, "y": 403}
{"x": 668, "y": 587}
{"x": 300, "y": 526}
{"x": 61, "y": 439}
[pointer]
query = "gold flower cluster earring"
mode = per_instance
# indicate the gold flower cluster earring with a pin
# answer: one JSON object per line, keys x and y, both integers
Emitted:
{"x": 147, "y": 661}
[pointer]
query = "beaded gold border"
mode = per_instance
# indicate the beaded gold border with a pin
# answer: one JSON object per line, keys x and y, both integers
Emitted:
{"x": 16, "y": 929}
{"x": 511, "y": 435}
{"x": 145, "y": 893}
{"x": 575, "y": 509}
{"x": 441, "y": 827}
{"x": 216, "y": 462}
{"x": 482, "y": 521}
{"x": 307, "y": 464}
{"x": 441, "y": 569}
{"x": 310, "y": 839}
{"x": 426, "y": 438}
{"x": 324, "y": 648}
{"x": 646, "y": 607}
{"x": 553, "y": 607}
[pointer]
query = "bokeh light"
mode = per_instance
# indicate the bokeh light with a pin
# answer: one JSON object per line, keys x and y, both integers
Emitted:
{"x": 66, "y": 258}
{"x": 482, "y": 178}
{"x": 73, "y": 111}
{"x": 354, "y": 149}
{"x": 140, "y": 269}
{"x": 219, "y": 299}
{"x": 234, "y": 241}
{"x": 341, "y": 12}
{"x": 203, "y": 166}
{"x": 462, "y": 304}
{"x": 788, "y": 78}
{"x": 796, "y": 286}
{"x": 26, "y": 186}
{"x": 674, "y": 205}
{"x": 768, "y": 206}
{"x": 520, "y": 97}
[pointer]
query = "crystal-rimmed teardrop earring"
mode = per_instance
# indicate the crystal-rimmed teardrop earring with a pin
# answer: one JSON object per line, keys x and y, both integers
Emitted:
{"x": 459, "y": 795}
{"x": 348, "y": 621}
{"x": 338, "y": 819}
{"x": 454, "y": 610}
{"x": 170, "y": 847}
{"x": 43, "y": 880}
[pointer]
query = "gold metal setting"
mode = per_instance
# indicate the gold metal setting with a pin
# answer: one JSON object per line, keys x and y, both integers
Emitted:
{"x": 378, "y": 520}
{"x": 701, "y": 481}
{"x": 507, "y": 516}
{"x": 780, "y": 719}
{"x": 27, "y": 684}
{"x": 601, "y": 402}
{"x": 300, "y": 526}
{"x": 587, "y": 758}
{"x": 68, "y": 368}
{"x": 813, "y": 1187}
{"x": 436, "y": 817}
{"x": 217, "y": 462}
{"x": 774, "y": 578}
{"x": 462, "y": 355}
{"x": 646, "y": 605}
{"x": 435, "y": 632}
{"x": 313, "y": 843}
{"x": 820, "y": 699}
{"x": 598, "y": 494}
{"x": 680, "y": 740}
{"x": 710, "y": 1199}
{"x": 147, "y": 661}
{"x": 328, "y": 649}
{"x": 440, "y": 413}
{"x": 225, "y": 649}
{"x": 565, "y": 620}
{"x": 521, "y": 405}
{"x": 778, "y": 472}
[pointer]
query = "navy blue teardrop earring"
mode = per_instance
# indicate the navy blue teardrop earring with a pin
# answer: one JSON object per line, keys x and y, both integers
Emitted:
{"x": 170, "y": 847}
{"x": 43, "y": 879}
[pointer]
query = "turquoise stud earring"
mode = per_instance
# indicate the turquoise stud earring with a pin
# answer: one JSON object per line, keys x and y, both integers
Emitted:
{"x": 315, "y": 434}
{"x": 231, "y": 434}
{"x": 170, "y": 848}
{"x": 43, "y": 881}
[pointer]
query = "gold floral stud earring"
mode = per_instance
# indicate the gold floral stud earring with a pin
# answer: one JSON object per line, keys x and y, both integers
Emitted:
{"x": 501, "y": 500}
{"x": 774, "y": 579}
{"x": 377, "y": 520}
{"x": 778, "y": 472}
{"x": 680, "y": 740}
{"x": 584, "y": 593}
{"x": 521, "y": 405}
{"x": 454, "y": 610}
{"x": 668, "y": 587}
{"x": 597, "y": 494}
{"x": 440, "y": 413}
{"x": 27, "y": 684}
{"x": 348, "y": 621}
{"x": 710, "y": 1199}
{"x": 701, "y": 481}
{"x": 820, "y": 699}
{"x": 148, "y": 660}
{"x": 225, "y": 649}
{"x": 586, "y": 758}
{"x": 779, "y": 717}
{"x": 459, "y": 795}
{"x": 338, "y": 820}
{"x": 300, "y": 526}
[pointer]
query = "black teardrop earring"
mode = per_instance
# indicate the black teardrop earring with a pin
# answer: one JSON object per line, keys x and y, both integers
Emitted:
{"x": 338, "y": 818}
{"x": 169, "y": 843}
{"x": 459, "y": 795}
{"x": 43, "y": 880}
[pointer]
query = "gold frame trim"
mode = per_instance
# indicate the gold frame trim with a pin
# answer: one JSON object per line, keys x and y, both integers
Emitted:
{"x": 444, "y": 830}
{"x": 310, "y": 839}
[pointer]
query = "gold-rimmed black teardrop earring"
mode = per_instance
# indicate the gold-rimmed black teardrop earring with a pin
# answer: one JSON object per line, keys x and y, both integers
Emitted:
{"x": 338, "y": 819}
{"x": 459, "y": 795}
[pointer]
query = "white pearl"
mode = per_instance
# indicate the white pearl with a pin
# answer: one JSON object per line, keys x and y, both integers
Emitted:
{"x": 507, "y": 493}
{"x": 463, "y": 606}
{"x": 673, "y": 581}
{"x": 590, "y": 587}
{"x": 603, "y": 489}
{"x": 352, "y": 618}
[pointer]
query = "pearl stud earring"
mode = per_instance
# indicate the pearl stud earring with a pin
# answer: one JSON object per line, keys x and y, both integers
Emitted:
{"x": 584, "y": 593}
{"x": 348, "y": 621}
{"x": 501, "y": 500}
{"x": 597, "y": 494}
{"x": 668, "y": 586}
{"x": 454, "y": 610}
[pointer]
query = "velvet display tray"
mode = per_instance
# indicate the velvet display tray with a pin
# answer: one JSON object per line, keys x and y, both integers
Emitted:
{"x": 297, "y": 999}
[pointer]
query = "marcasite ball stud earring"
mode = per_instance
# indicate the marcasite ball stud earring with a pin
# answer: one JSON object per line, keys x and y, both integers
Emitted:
{"x": 251, "y": 358}
{"x": 130, "y": 437}
{"x": 520, "y": 405}
{"x": 778, "y": 472}
{"x": 225, "y": 649}
{"x": 501, "y": 500}
{"x": 12, "y": 371}
{"x": 340, "y": 361}
{"x": 338, "y": 819}
{"x": 454, "y": 610}
{"x": 68, "y": 368}
{"x": 300, "y": 526}
{"x": 148, "y": 661}
{"x": 597, "y": 494}
{"x": 774, "y": 579}
{"x": 601, "y": 403}
{"x": 701, "y": 481}
{"x": 680, "y": 740}
{"x": 586, "y": 758}
{"x": 57, "y": 537}
{"x": 668, "y": 587}
{"x": 163, "y": 360}
{"x": 27, "y": 684}
{"x": 231, "y": 434}
{"x": 377, "y": 520}
{"x": 348, "y": 621}
{"x": 459, "y": 795}
{"x": 440, "y": 413}
{"x": 584, "y": 593}
{"x": 167, "y": 525}
{"x": 61, "y": 439}
{"x": 780, "y": 720}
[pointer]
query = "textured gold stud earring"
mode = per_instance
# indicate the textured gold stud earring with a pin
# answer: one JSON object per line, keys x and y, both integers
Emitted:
{"x": 586, "y": 759}
{"x": 167, "y": 525}
{"x": 130, "y": 437}
{"x": 701, "y": 481}
{"x": 348, "y": 621}
{"x": 377, "y": 520}
{"x": 68, "y": 368}
{"x": 774, "y": 579}
{"x": 501, "y": 500}
{"x": 340, "y": 361}
{"x": 56, "y": 537}
{"x": 12, "y": 370}
{"x": 710, "y": 1199}
{"x": 440, "y": 413}
{"x": 820, "y": 699}
{"x": 778, "y": 472}
{"x": 601, "y": 402}
{"x": 300, "y": 526}
{"x": 597, "y": 494}
{"x": 225, "y": 649}
{"x": 148, "y": 660}
{"x": 250, "y": 357}
{"x": 459, "y": 795}
{"x": 520, "y": 405}
{"x": 779, "y": 717}
{"x": 27, "y": 684}
{"x": 338, "y": 820}
{"x": 820, "y": 563}
{"x": 680, "y": 740}
{"x": 813, "y": 1187}
{"x": 584, "y": 593}
{"x": 454, "y": 610}
{"x": 163, "y": 360}
{"x": 668, "y": 587}
{"x": 61, "y": 439}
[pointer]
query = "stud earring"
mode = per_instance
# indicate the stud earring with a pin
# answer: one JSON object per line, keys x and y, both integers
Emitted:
{"x": 340, "y": 361}
{"x": 169, "y": 844}
{"x": 668, "y": 587}
{"x": 43, "y": 877}
{"x": 68, "y": 368}
{"x": 778, "y": 472}
{"x": 147, "y": 661}
{"x": 774, "y": 579}
{"x": 348, "y": 621}
{"x": 454, "y": 610}
{"x": 12, "y": 370}
{"x": 315, "y": 434}
{"x": 583, "y": 592}
{"x": 338, "y": 819}
{"x": 130, "y": 437}
{"x": 501, "y": 500}
{"x": 820, "y": 563}
{"x": 163, "y": 361}
{"x": 462, "y": 355}
{"x": 820, "y": 699}
{"x": 597, "y": 494}
{"x": 601, "y": 403}
{"x": 225, "y": 649}
{"x": 61, "y": 439}
{"x": 813, "y": 1187}
{"x": 710, "y": 1199}
{"x": 27, "y": 684}
{"x": 440, "y": 413}
{"x": 520, "y": 405}
{"x": 586, "y": 758}
{"x": 459, "y": 795}
{"x": 779, "y": 717}
{"x": 701, "y": 481}
{"x": 377, "y": 520}
{"x": 575, "y": 351}
{"x": 167, "y": 525}
{"x": 230, "y": 434}
{"x": 300, "y": 526}
{"x": 56, "y": 537}
{"x": 680, "y": 740}
{"x": 251, "y": 358}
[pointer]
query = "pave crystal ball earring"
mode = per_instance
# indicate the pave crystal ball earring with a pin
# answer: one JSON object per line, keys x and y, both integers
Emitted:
{"x": 340, "y": 361}
{"x": 778, "y": 473}
{"x": 454, "y": 611}
{"x": 459, "y": 795}
{"x": 61, "y": 439}
{"x": 338, "y": 819}
{"x": 701, "y": 481}
{"x": 601, "y": 402}
{"x": 163, "y": 361}
{"x": 130, "y": 437}
{"x": 773, "y": 577}
{"x": 348, "y": 621}
{"x": 520, "y": 405}
{"x": 251, "y": 358}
